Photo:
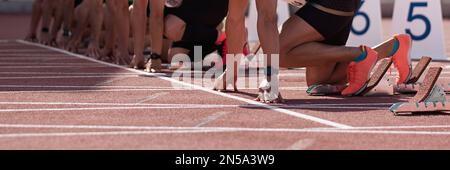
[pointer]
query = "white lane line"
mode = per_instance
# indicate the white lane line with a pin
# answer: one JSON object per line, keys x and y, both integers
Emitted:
{"x": 141, "y": 102}
{"x": 111, "y": 104}
{"x": 399, "y": 127}
{"x": 152, "y": 97}
{"x": 302, "y": 144}
{"x": 94, "y": 90}
{"x": 204, "y": 106}
{"x": 220, "y": 130}
{"x": 273, "y": 108}
{"x": 46, "y": 64}
{"x": 115, "y": 108}
{"x": 87, "y": 87}
{"x": 212, "y": 118}
{"x": 118, "y": 133}
{"x": 39, "y": 67}
{"x": 70, "y": 73}
{"x": 110, "y": 81}
{"x": 124, "y": 127}
{"x": 65, "y": 77}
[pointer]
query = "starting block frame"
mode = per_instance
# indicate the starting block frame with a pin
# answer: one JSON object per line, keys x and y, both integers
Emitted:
{"x": 388, "y": 86}
{"x": 412, "y": 85}
{"x": 429, "y": 98}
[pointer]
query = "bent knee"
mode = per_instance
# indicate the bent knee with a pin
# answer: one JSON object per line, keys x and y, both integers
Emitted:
{"x": 174, "y": 28}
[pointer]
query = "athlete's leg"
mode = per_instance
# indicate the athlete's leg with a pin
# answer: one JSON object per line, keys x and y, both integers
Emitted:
{"x": 81, "y": 15}
{"x": 95, "y": 23}
{"x": 299, "y": 47}
{"x": 68, "y": 11}
{"x": 269, "y": 38}
{"x": 120, "y": 14}
{"x": 157, "y": 30}
{"x": 35, "y": 19}
{"x": 173, "y": 52}
{"x": 139, "y": 22}
{"x": 174, "y": 27}
{"x": 59, "y": 7}
{"x": 47, "y": 12}
{"x": 236, "y": 37}
{"x": 109, "y": 34}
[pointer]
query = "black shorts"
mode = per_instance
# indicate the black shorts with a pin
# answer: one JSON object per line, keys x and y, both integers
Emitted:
{"x": 334, "y": 28}
{"x": 206, "y": 48}
{"x": 77, "y": 2}
{"x": 201, "y": 12}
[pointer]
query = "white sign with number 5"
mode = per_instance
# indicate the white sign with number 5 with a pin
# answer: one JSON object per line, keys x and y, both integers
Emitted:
{"x": 422, "y": 20}
{"x": 367, "y": 29}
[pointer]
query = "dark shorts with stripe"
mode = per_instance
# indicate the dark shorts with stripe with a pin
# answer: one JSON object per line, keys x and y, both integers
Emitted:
{"x": 334, "y": 28}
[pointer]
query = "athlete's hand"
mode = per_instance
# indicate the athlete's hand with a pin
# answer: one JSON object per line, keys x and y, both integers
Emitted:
{"x": 93, "y": 51}
{"x": 297, "y": 3}
{"x": 45, "y": 38}
{"x": 267, "y": 94}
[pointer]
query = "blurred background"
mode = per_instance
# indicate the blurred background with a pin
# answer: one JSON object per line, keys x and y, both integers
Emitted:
{"x": 15, "y": 18}
{"x": 24, "y": 6}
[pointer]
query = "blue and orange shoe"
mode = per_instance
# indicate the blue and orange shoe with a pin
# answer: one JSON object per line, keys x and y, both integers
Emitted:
{"x": 358, "y": 72}
{"x": 401, "y": 57}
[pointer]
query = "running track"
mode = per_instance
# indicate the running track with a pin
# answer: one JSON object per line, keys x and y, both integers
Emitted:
{"x": 52, "y": 99}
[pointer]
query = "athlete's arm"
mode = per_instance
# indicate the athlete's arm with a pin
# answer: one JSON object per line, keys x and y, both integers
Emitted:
{"x": 157, "y": 25}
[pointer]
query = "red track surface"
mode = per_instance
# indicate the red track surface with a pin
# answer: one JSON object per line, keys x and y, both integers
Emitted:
{"x": 54, "y": 100}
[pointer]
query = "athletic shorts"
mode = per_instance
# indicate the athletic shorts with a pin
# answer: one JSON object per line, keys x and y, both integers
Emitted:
{"x": 334, "y": 28}
{"x": 206, "y": 48}
{"x": 78, "y": 2}
{"x": 201, "y": 12}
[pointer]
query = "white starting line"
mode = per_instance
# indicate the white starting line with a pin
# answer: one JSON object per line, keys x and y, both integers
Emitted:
{"x": 68, "y": 73}
{"x": 87, "y": 87}
{"x": 45, "y": 67}
{"x": 66, "y": 77}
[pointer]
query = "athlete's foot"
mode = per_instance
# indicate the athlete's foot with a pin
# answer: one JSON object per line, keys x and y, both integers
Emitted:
{"x": 106, "y": 55}
{"x": 138, "y": 62}
{"x": 122, "y": 59}
{"x": 31, "y": 38}
{"x": 359, "y": 72}
{"x": 401, "y": 57}
{"x": 44, "y": 38}
{"x": 153, "y": 66}
{"x": 63, "y": 42}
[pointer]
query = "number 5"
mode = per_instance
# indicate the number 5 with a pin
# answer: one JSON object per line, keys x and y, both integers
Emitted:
{"x": 412, "y": 17}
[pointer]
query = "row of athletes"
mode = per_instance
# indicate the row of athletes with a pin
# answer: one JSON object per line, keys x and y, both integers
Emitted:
{"x": 314, "y": 38}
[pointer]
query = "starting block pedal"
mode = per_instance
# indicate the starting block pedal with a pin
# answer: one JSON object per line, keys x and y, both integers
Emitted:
{"x": 379, "y": 83}
{"x": 429, "y": 98}
{"x": 412, "y": 85}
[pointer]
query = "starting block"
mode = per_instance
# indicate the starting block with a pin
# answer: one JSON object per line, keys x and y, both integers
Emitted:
{"x": 429, "y": 98}
{"x": 374, "y": 87}
{"x": 379, "y": 83}
{"x": 413, "y": 85}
